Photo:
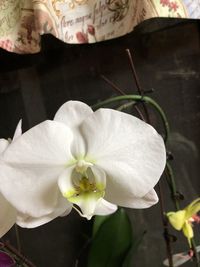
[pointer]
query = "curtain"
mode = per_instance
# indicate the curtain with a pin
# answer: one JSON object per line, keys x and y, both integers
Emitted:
{"x": 22, "y": 22}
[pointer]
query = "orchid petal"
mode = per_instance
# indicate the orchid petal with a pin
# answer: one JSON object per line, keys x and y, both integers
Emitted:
{"x": 65, "y": 182}
{"x": 87, "y": 202}
{"x": 31, "y": 222}
{"x": 193, "y": 208}
{"x": 130, "y": 151}
{"x": 149, "y": 199}
{"x": 188, "y": 231}
{"x": 104, "y": 207}
{"x": 144, "y": 202}
{"x": 177, "y": 219}
{"x": 46, "y": 144}
{"x": 99, "y": 177}
{"x": 3, "y": 145}
{"x": 73, "y": 113}
{"x": 7, "y": 216}
{"x": 18, "y": 130}
{"x": 31, "y": 190}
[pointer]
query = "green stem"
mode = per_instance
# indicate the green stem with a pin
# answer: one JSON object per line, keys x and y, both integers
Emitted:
{"x": 17, "y": 238}
{"x": 139, "y": 98}
{"x": 172, "y": 184}
{"x": 134, "y": 105}
{"x": 126, "y": 105}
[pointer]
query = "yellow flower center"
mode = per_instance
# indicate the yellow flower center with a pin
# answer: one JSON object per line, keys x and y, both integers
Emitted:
{"x": 83, "y": 188}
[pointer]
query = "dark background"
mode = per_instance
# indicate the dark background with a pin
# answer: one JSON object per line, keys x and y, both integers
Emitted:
{"x": 166, "y": 53}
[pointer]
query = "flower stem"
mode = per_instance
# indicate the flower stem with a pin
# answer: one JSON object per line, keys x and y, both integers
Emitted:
{"x": 17, "y": 238}
{"x": 165, "y": 227}
{"x": 172, "y": 185}
{"x": 139, "y": 98}
{"x": 126, "y": 105}
{"x": 134, "y": 105}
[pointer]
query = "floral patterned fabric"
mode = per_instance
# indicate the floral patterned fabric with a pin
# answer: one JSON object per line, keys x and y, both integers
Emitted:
{"x": 22, "y": 22}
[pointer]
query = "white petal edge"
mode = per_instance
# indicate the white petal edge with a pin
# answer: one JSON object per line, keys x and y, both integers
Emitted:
{"x": 18, "y": 130}
{"x": 3, "y": 145}
{"x": 144, "y": 202}
{"x": 31, "y": 222}
{"x": 7, "y": 215}
{"x": 65, "y": 182}
{"x": 87, "y": 204}
{"x": 73, "y": 113}
{"x": 47, "y": 143}
{"x": 104, "y": 207}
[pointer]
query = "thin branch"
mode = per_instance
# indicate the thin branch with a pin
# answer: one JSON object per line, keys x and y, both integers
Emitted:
{"x": 114, "y": 86}
{"x": 165, "y": 226}
{"x": 119, "y": 90}
{"x": 137, "y": 82}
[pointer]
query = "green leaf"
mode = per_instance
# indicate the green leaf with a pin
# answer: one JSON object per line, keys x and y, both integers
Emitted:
{"x": 111, "y": 242}
{"x": 134, "y": 247}
{"x": 98, "y": 221}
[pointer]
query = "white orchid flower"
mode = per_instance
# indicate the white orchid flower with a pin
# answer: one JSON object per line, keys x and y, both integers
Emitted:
{"x": 92, "y": 161}
{"x": 8, "y": 214}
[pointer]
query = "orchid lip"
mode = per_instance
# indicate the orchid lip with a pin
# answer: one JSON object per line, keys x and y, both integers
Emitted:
{"x": 86, "y": 188}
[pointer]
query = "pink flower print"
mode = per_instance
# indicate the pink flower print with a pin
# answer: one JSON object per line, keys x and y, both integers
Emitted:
{"x": 91, "y": 30}
{"x": 173, "y": 6}
{"x": 7, "y": 45}
{"x": 165, "y": 2}
{"x": 82, "y": 37}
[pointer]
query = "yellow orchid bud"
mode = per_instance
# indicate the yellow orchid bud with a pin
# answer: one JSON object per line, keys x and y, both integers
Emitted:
{"x": 177, "y": 219}
{"x": 184, "y": 219}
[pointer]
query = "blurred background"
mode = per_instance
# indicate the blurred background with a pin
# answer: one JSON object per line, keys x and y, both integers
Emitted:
{"x": 166, "y": 54}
